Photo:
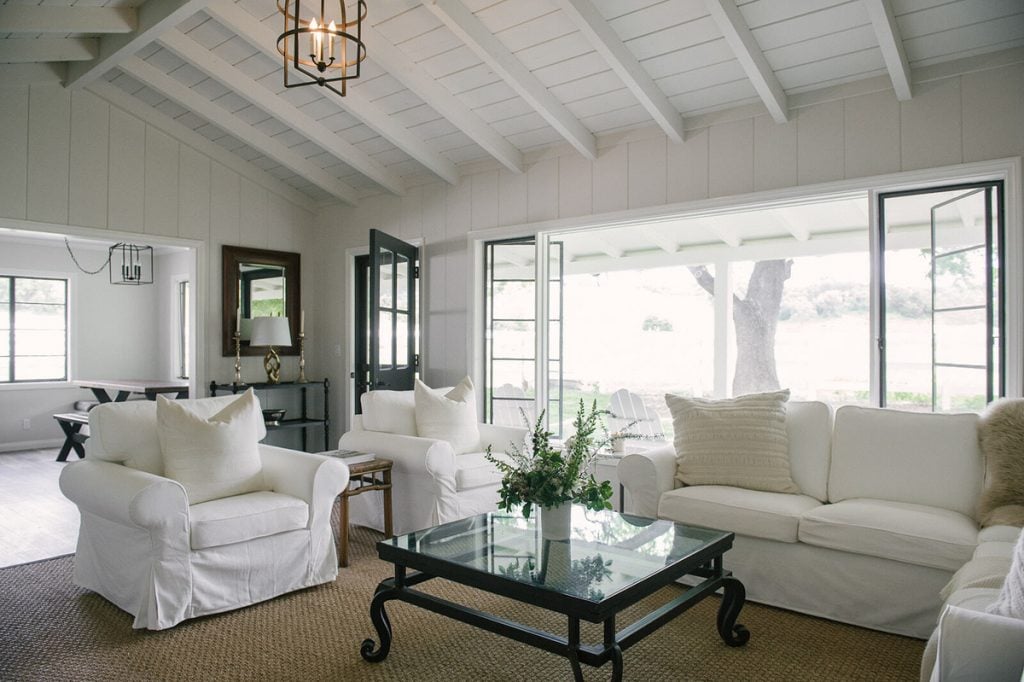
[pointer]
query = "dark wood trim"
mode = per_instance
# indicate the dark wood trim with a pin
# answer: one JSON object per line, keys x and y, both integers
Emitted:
{"x": 231, "y": 258}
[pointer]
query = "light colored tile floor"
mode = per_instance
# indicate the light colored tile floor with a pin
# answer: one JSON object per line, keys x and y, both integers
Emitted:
{"x": 36, "y": 520}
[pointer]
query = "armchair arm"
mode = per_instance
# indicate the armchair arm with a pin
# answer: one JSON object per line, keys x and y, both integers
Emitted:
{"x": 646, "y": 475}
{"x": 125, "y": 495}
{"x": 978, "y": 646}
{"x": 314, "y": 478}
{"x": 500, "y": 437}
{"x": 411, "y": 454}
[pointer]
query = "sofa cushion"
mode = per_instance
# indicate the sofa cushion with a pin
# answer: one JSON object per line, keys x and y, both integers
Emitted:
{"x": 389, "y": 412}
{"x": 809, "y": 426}
{"x": 914, "y": 457}
{"x": 245, "y": 517}
{"x": 999, "y": 534}
{"x": 215, "y": 457}
{"x": 738, "y": 442}
{"x": 125, "y": 432}
{"x": 448, "y": 416}
{"x": 760, "y": 514}
{"x": 911, "y": 533}
{"x": 472, "y": 470}
{"x": 988, "y": 571}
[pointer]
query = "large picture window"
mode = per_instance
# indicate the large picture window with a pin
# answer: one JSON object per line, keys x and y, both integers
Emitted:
{"x": 33, "y": 329}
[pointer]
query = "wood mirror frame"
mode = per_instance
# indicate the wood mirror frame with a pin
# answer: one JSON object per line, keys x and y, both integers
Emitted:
{"x": 231, "y": 261}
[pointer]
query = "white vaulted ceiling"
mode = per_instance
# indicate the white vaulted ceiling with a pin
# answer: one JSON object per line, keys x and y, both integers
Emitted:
{"x": 454, "y": 82}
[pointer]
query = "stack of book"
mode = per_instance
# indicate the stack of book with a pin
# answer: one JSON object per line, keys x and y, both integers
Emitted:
{"x": 350, "y": 457}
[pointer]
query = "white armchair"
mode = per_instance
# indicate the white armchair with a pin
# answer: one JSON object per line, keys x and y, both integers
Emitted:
{"x": 144, "y": 548}
{"x": 431, "y": 484}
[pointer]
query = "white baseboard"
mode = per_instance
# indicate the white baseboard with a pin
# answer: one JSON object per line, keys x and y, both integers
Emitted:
{"x": 32, "y": 445}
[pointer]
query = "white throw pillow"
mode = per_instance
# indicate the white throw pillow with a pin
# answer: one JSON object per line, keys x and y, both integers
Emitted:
{"x": 739, "y": 442}
{"x": 450, "y": 417}
{"x": 215, "y": 457}
{"x": 389, "y": 412}
{"x": 1011, "y": 598}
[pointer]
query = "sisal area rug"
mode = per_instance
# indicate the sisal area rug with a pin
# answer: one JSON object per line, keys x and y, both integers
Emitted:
{"x": 52, "y": 630}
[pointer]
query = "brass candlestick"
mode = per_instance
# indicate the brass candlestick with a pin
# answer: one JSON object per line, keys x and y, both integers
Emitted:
{"x": 237, "y": 336}
{"x": 302, "y": 359}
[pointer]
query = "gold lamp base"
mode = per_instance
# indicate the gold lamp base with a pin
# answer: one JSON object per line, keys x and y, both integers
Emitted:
{"x": 272, "y": 363}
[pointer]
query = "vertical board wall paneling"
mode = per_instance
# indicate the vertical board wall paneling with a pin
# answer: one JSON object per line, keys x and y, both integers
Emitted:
{"x": 252, "y": 216}
{"x": 575, "y": 186}
{"x": 986, "y": 136}
{"x": 484, "y": 212}
{"x": 90, "y": 149}
{"x": 194, "y": 191}
{"x": 542, "y": 190}
{"x": 930, "y": 126}
{"x": 49, "y": 144}
{"x": 512, "y": 197}
{"x": 687, "y": 167}
{"x": 14, "y": 160}
{"x": 225, "y": 210}
{"x": 161, "y": 205}
{"x": 731, "y": 158}
{"x": 774, "y": 153}
{"x": 871, "y": 137}
{"x": 611, "y": 179}
{"x": 646, "y": 172}
{"x": 126, "y": 191}
{"x": 820, "y": 148}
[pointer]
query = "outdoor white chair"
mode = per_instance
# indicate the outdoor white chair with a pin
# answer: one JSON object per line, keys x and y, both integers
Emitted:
{"x": 626, "y": 408}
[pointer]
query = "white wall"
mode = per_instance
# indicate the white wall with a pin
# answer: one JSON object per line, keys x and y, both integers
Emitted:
{"x": 851, "y": 131}
{"x": 69, "y": 158}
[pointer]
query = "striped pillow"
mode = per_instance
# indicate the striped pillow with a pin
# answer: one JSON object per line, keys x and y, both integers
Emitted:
{"x": 740, "y": 442}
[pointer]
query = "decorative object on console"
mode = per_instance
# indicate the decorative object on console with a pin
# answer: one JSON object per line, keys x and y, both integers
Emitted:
{"x": 270, "y": 332}
{"x": 740, "y": 442}
{"x": 136, "y": 263}
{"x": 302, "y": 349}
{"x": 335, "y": 45}
{"x": 450, "y": 417}
{"x": 1001, "y": 434}
{"x": 540, "y": 475}
{"x": 272, "y": 416}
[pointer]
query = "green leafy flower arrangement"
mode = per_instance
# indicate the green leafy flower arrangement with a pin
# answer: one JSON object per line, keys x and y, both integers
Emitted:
{"x": 543, "y": 476}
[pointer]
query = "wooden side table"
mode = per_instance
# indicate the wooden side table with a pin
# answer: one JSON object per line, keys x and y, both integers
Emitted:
{"x": 366, "y": 476}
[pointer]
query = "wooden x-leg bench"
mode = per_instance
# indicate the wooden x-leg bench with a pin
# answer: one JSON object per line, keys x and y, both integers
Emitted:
{"x": 71, "y": 424}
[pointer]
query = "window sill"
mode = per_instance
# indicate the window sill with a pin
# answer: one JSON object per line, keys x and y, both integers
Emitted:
{"x": 37, "y": 386}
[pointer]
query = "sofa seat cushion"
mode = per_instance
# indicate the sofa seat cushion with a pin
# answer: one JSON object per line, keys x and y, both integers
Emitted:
{"x": 911, "y": 533}
{"x": 760, "y": 514}
{"x": 474, "y": 471}
{"x": 245, "y": 517}
{"x": 974, "y": 598}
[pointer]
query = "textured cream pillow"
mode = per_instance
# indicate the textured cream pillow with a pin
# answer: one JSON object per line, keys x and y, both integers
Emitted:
{"x": 215, "y": 457}
{"x": 450, "y": 417}
{"x": 740, "y": 442}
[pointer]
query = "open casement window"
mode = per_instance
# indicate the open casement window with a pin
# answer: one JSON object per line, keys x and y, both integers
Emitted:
{"x": 511, "y": 336}
{"x": 941, "y": 343}
{"x": 387, "y": 290}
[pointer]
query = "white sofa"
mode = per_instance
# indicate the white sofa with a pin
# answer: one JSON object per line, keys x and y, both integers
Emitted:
{"x": 144, "y": 548}
{"x": 431, "y": 484}
{"x": 883, "y": 520}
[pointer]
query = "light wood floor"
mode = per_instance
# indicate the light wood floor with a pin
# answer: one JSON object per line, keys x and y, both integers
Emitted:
{"x": 36, "y": 520}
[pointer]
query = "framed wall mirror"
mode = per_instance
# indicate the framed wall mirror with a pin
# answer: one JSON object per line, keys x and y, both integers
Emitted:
{"x": 258, "y": 283}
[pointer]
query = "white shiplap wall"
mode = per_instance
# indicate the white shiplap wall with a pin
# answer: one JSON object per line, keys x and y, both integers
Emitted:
{"x": 952, "y": 120}
{"x": 72, "y": 159}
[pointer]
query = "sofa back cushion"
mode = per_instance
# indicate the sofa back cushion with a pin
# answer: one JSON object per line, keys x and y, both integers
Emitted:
{"x": 126, "y": 432}
{"x": 392, "y": 411}
{"x": 914, "y": 457}
{"x": 809, "y": 425}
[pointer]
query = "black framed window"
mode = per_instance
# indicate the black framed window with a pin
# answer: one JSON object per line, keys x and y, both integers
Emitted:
{"x": 33, "y": 329}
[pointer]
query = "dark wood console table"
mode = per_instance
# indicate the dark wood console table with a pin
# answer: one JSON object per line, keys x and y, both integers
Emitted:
{"x": 304, "y": 421}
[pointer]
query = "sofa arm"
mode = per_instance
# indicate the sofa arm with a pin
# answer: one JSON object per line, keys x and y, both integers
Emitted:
{"x": 411, "y": 455}
{"x": 647, "y": 475}
{"x": 125, "y": 495}
{"x": 501, "y": 438}
{"x": 978, "y": 646}
{"x": 314, "y": 478}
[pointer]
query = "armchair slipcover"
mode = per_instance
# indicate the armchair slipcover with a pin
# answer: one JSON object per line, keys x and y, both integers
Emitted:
{"x": 144, "y": 548}
{"x": 431, "y": 484}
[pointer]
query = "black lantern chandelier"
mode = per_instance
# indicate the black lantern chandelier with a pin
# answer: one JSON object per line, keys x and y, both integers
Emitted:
{"x": 325, "y": 48}
{"x": 136, "y": 263}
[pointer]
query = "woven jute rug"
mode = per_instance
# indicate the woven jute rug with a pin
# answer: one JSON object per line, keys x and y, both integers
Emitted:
{"x": 52, "y": 630}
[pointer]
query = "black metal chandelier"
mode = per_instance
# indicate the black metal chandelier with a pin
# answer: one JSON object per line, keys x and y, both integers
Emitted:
{"x": 325, "y": 48}
{"x": 136, "y": 263}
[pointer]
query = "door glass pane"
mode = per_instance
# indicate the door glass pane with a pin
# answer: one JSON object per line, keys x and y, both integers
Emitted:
{"x": 385, "y": 333}
{"x": 387, "y": 259}
{"x": 513, "y": 340}
{"x": 960, "y": 337}
{"x": 960, "y": 389}
{"x": 513, "y": 300}
{"x": 402, "y": 283}
{"x": 401, "y": 332}
{"x": 960, "y": 278}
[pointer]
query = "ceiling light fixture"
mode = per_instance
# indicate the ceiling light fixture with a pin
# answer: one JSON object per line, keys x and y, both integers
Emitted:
{"x": 325, "y": 49}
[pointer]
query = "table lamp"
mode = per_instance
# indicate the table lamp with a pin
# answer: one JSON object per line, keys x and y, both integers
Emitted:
{"x": 270, "y": 332}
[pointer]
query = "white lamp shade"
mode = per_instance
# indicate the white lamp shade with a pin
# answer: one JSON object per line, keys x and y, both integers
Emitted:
{"x": 270, "y": 331}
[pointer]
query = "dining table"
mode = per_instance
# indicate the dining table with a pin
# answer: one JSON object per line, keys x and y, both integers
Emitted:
{"x": 118, "y": 390}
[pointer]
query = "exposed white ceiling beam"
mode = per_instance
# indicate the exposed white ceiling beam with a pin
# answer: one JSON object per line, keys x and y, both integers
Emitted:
{"x": 607, "y": 248}
{"x": 62, "y": 20}
{"x": 464, "y": 24}
{"x": 737, "y": 34}
{"x": 132, "y": 105}
{"x": 889, "y": 41}
{"x": 793, "y": 223}
{"x": 245, "y": 87}
{"x": 155, "y": 17}
{"x": 721, "y": 231}
{"x": 625, "y": 64}
{"x": 221, "y": 117}
{"x": 27, "y": 51}
{"x": 247, "y": 27}
{"x": 33, "y": 74}
{"x": 509, "y": 256}
{"x": 658, "y": 239}
{"x": 412, "y": 76}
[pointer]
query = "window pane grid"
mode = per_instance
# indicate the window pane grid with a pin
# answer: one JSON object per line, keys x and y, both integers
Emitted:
{"x": 34, "y": 318}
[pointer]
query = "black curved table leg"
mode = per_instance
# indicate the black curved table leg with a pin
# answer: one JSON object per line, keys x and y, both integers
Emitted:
{"x": 616, "y": 664}
{"x": 382, "y": 624}
{"x": 731, "y": 632}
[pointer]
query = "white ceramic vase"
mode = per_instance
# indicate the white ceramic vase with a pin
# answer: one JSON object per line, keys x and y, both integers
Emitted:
{"x": 556, "y": 522}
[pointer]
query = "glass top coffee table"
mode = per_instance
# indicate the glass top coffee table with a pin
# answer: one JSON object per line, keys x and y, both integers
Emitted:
{"x": 610, "y": 562}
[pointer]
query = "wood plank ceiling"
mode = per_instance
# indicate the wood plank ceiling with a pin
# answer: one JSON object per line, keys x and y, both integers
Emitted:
{"x": 455, "y": 82}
